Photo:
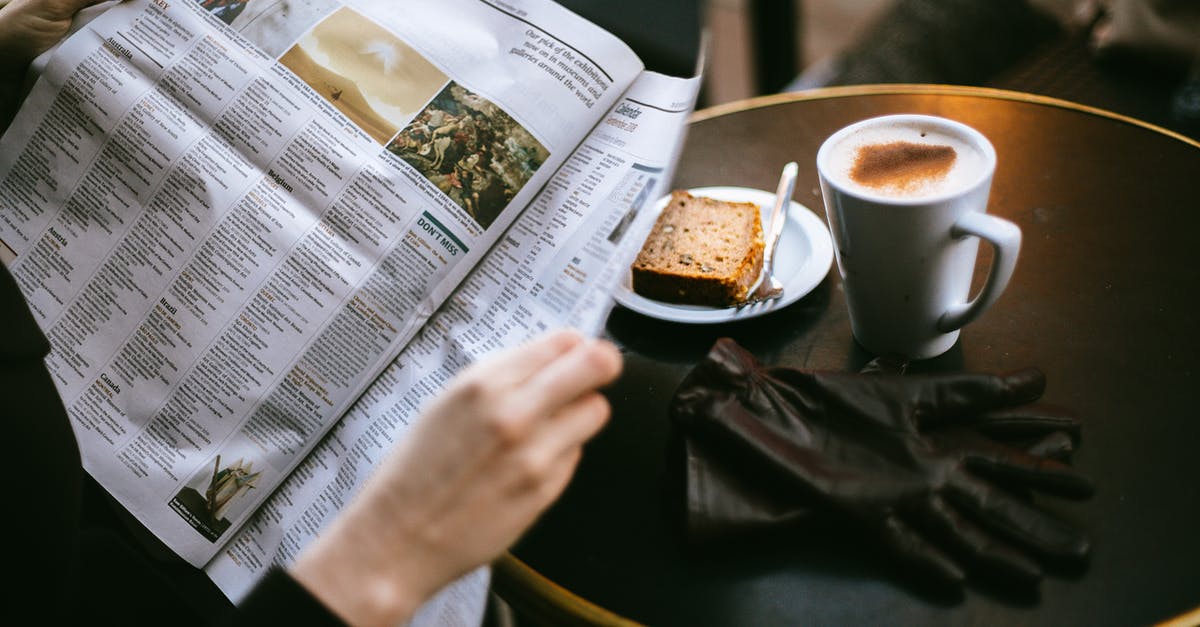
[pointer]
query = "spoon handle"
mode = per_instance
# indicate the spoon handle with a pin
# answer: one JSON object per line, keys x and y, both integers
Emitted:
{"x": 783, "y": 197}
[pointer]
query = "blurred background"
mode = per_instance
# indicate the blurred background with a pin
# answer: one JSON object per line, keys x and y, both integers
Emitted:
{"x": 821, "y": 29}
{"x": 1139, "y": 58}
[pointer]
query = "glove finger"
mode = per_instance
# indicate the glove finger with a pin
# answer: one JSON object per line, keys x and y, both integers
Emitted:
{"x": 716, "y": 379}
{"x": 992, "y": 554}
{"x": 1018, "y": 520}
{"x": 1027, "y": 420}
{"x": 918, "y": 554}
{"x": 885, "y": 365}
{"x": 1057, "y": 446}
{"x": 1013, "y": 465}
{"x": 938, "y": 399}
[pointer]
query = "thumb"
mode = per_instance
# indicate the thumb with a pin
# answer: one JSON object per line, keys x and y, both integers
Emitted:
{"x": 30, "y": 27}
{"x": 47, "y": 10}
{"x": 59, "y": 10}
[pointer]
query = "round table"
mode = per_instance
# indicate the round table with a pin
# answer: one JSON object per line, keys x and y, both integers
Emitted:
{"x": 1101, "y": 301}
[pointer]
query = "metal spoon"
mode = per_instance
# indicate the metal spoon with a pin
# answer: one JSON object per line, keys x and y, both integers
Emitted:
{"x": 768, "y": 287}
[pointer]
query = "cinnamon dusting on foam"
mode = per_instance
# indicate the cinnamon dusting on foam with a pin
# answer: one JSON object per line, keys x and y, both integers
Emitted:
{"x": 901, "y": 165}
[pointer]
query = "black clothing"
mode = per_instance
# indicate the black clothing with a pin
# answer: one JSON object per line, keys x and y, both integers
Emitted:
{"x": 73, "y": 554}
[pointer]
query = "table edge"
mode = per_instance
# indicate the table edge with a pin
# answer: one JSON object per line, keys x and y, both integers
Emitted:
{"x": 532, "y": 594}
{"x": 529, "y": 591}
{"x": 902, "y": 89}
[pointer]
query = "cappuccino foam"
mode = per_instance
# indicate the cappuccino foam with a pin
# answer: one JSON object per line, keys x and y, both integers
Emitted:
{"x": 907, "y": 160}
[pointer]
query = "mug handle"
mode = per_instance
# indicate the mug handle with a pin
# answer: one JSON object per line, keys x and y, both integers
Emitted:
{"x": 1005, "y": 238}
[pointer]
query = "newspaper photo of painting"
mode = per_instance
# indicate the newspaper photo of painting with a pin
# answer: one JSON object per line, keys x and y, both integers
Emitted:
{"x": 208, "y": 500}
{"x": 472, "y": 150}
{"x": 365, "y": 71}
{"x": 224, "y": 10}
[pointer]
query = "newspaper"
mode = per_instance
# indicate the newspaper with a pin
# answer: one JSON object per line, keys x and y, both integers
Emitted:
{"x": 260, "y": 235}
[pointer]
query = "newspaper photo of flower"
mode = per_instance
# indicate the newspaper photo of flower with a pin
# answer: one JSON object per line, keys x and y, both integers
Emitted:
{"x": 228, "y": 484}
{"x": 223, "y": 487}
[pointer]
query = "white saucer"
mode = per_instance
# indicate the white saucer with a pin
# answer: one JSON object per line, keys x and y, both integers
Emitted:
{"x": 803, "y": 259}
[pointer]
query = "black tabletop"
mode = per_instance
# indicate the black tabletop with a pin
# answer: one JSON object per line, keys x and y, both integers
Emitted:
{"x": 1102, "y": 301}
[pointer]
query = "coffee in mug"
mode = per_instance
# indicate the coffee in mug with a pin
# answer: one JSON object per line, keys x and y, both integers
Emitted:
{"x": 904, "y": 161}
{"x": 905, "y": 197}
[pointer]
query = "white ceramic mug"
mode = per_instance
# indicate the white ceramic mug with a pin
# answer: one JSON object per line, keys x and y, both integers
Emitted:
{"x": 906, "y": 250}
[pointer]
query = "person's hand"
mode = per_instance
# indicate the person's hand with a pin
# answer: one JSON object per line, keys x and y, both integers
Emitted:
{"x": 918, "y": 460}
{"x": 30, "y": 27}
{"x": 485, "y": 459}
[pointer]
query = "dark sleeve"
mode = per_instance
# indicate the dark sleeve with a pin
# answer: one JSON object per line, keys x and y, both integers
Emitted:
{"x": 46, "y": 524}
{"x": 41, "y": 519}
{"x": 278, "y": 599}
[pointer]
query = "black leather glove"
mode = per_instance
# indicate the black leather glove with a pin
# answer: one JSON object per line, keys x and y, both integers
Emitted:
{"x": 939, "y": 467}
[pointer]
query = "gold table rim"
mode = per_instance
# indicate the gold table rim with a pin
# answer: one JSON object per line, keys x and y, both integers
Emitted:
{"x": 910, "y": 89}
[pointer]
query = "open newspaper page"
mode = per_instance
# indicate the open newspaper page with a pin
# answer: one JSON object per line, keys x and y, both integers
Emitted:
{"x": 224, "y": 250}
{"x": 556, "y": 266}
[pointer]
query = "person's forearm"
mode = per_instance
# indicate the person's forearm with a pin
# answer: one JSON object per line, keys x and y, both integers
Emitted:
{"x": 358, "y": 580}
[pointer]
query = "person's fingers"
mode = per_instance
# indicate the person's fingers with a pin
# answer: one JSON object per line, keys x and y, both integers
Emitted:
{"x": 939, "y": 398}
{"x": 572, "y": 425}
{"x": 540, "y": 477}
{"x": 557, "y": 437}
{"x": 1018, "y": 520}
{"x": 989, "y": 553}
{"x": 533, "y": 497}
{"x": 514, "y": 365}
{"x": 586, "y": 367}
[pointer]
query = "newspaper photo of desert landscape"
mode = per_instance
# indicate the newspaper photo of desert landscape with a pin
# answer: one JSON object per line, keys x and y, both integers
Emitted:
{"x": 369, "y": 74}
{"x": 472, "y": 150}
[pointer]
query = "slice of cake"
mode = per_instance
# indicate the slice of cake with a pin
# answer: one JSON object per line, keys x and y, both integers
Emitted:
{"x": 701, "y": 251}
